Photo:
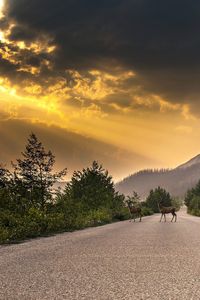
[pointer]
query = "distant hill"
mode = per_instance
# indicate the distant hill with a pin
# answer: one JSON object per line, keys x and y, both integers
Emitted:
{"x": 176, "y": 181}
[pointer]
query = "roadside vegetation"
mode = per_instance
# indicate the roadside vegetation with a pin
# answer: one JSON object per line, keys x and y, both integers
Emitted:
{"x": 192, "y": 200}
{"x": 30, "y": 207}
{"x": 160, "y": 195}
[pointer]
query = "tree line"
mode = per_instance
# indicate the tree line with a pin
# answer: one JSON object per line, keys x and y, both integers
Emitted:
{"x": 29, "y": 205}
{"x": 192, "y": 200}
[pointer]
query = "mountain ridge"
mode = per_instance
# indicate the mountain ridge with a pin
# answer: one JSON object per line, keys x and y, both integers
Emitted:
{"x": 176, "y": 181}
{"x": 192, "y": 161}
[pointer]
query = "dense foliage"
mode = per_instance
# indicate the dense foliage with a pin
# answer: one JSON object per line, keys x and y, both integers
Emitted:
{"x": 29, "y": 206}
{"x": 135, "y": 201}
{"x": 156, "y": 197}
{"x": 33, "y": 175}
{"x": 192, "y": 200}
{"x": 90, "y": 198}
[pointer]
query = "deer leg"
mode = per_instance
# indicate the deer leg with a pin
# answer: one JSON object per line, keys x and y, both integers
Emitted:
{"x": 172, "y": 217}
{"x": 175, "y": 216}
{"x": 140, "y": 217}
{"x": 134, "y": 217}
{"x": 161, "y": 217}
{"x": 165, "y": 217}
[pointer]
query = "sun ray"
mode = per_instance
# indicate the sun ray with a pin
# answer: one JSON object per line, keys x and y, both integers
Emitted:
{"x": 1, "y": 8}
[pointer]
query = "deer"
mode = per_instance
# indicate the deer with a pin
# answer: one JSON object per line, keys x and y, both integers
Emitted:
{"x": 134, "y": 210}
{"x": 167, "y": 210}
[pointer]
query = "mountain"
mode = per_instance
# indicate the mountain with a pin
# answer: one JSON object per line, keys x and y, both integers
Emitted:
{"x": 176, "y": 181}
{"x": 194, "y": 161}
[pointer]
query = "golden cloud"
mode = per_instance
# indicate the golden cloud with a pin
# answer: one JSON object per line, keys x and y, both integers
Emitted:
{"x": 1, "y": 8}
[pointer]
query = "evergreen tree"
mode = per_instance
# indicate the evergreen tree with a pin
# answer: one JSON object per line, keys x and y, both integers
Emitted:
{"x": 5, "y": 177}
{"x": 33, "y": 175}
{"x": 93, "y": 188}
{"x": 195, "y": 191}
{"x": 133, "y": 200}
{"x": 159, "y": 195}
{"x": 5, "y": 191}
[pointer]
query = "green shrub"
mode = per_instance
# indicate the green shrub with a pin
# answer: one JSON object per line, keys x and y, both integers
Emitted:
{"x": 36, "y": 220}
{"x": 81, "y": 221}
{"x": 146, "y": 211}
{"x": 55, "y": 222}
{"x": 91, "y": 218}
{"x": 99, "y": 216}
{"x": 122, "y": 214}
{"x": 156, "y": 196}
{"x": 9, "y": 219}
{"x": 18, "y": 233}
{"x": 4, "y": 235}
{"x": 194, "y": 212}
{"x": 177, "y": 203}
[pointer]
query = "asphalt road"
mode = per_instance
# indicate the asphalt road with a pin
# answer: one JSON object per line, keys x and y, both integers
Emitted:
{"x": 148, "y": 260}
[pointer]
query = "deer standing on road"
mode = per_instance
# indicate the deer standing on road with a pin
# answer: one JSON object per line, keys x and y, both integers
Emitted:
{"x": 134, "y": 211}
{"x": 167, "y": 210}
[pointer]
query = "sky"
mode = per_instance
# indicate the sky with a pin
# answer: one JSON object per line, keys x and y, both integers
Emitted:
{"x": 115, "y": 81}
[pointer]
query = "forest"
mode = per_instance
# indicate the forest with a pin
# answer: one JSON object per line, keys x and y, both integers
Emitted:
{"x": 30, "y": 206}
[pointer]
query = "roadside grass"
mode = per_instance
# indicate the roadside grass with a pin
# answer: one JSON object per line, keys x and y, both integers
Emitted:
{"x": 15, "y": 228}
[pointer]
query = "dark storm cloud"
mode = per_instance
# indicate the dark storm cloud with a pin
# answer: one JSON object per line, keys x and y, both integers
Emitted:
{"x": 6, "y": 68}
{"x": 21, "y": 33}
{"x": 158, "y": 39}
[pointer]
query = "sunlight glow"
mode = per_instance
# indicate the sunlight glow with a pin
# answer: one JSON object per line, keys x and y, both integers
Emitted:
{"x": 1, "y": 8}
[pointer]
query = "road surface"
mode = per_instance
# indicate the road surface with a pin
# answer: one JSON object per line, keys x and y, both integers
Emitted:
{"x": 148, "y": 260}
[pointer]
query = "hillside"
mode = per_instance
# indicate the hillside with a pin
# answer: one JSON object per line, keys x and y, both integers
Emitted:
{"x": 177, "y": 181}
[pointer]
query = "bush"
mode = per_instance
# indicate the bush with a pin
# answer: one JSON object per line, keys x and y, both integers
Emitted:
{"x": 122, "y": 215}
{"x": 157, "y": 196}
{"x": 91, "y": 218}
{"x": 20, "y": 232}
{"x": 146, "y": 211}
{"x": 4, "y": 235}
{"x": 35, "y": 223}
{"x": 37, "y": 219}
{"x": 99, "y": 216}
{"x": 9, "y": 219}
{"x": 80, "y": 222}
{"x": 55, "y": 222}
{"x": 27, "y": 205}
{"x": 177, "y": 203}
{"x": 194, "y": 206}
{"x": 194, "y": 212}
{"x": 191, "y": 193}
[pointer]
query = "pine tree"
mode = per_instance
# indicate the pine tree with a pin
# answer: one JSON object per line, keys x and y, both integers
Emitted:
{"x": 93, "y": 188}
{"x": 133, "y": 200}
{"x": 159, "y": 195}
{"x": 33, "y": 173}
{"x": 5, "y": 188}
{"x": 5, "y": 177}
{"x": 191, "y": 194}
